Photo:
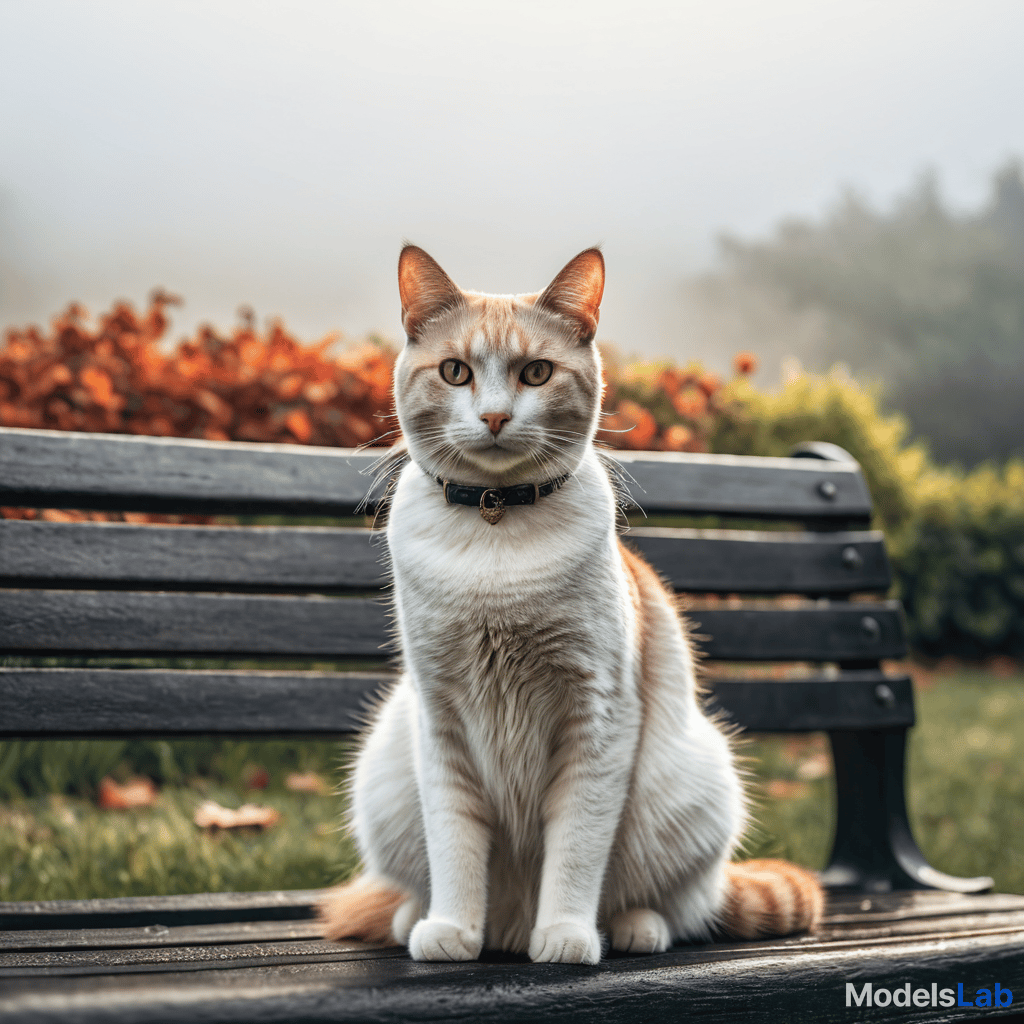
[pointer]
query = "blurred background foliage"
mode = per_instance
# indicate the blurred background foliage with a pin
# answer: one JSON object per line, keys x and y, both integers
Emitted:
{"x": 923, "y": 300}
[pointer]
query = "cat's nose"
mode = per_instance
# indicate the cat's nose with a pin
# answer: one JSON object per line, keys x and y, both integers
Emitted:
{"x": 495, "y": 420}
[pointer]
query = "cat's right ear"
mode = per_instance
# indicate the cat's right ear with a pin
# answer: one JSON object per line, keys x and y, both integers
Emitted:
{"x": 426, "y": 290}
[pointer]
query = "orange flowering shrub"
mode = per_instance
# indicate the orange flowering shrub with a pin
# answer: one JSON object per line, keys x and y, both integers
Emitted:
{"x": 661, "y": 407}
{"x": 114, "y": 377}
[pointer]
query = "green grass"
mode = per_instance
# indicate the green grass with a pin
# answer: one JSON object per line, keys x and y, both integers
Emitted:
{"x": 55, "y": 843}
{"x": 966, "y": 804}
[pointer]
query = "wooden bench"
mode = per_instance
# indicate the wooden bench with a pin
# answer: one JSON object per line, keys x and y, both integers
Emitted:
{"x": 117, "y": 590}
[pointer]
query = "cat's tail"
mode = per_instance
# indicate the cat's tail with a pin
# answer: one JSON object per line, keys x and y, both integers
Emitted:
{"x": 361, "y": 909}
{"x": 769, "y": 897}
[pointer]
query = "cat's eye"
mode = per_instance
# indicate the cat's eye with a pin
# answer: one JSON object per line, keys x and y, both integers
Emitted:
{"x": 536, "y": 373}
{"x": 456, "y": 372}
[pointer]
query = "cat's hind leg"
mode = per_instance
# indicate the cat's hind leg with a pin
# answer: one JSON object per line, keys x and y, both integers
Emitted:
{"x": 639, "y": 931}
{"x": 384, "y": 816}
{"x": 405, "y": 920}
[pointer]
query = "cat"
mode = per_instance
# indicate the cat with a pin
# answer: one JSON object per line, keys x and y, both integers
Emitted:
{"x": 542, "y": 772}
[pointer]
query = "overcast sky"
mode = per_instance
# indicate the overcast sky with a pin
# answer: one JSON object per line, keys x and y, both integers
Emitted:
{"x": 277, "y": 153}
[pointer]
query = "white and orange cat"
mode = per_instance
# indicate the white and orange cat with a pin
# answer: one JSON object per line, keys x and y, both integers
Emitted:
{"x": 542, "y": 772}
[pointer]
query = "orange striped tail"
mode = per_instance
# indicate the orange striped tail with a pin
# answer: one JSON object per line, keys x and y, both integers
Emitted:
{"x": 361, "y": 909}
{"x": 770, "y": 897}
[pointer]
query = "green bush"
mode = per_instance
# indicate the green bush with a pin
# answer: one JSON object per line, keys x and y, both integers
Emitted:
{"x": 960, "y": 563}
{"x": 956, "y": 541}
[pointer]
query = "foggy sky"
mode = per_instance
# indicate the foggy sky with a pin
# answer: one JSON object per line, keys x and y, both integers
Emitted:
{"x": 277, "y": 154}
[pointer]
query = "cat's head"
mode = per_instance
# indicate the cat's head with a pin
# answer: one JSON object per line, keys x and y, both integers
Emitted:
{"x": 498, "y": 389}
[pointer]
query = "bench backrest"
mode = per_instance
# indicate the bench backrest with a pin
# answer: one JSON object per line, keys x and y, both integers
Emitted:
{"x": 308, "y": 595}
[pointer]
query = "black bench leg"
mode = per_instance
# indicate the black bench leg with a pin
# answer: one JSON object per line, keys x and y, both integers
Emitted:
{"x": 874, "y": 849}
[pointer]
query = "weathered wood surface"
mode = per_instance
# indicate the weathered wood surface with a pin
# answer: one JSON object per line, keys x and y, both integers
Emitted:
{"x": 267, "y": 558}
{"x": 89, "y": 938}
{"x": 111, "y": 702}
{"x": 272, "y": 558}
{"x": 80, "y": 470}
{"x": 103, "y": 471}
{"x": 752, "y": 562}
{"x": 852, "y": 700}
{"x": 121, "y": 912}
{"x": 76, "y": 621}
{"x": 33, "y": 924}
{"x": 127, "y": 622}
{"x": 890, "y": 940}
{"x": 745, "y": 485}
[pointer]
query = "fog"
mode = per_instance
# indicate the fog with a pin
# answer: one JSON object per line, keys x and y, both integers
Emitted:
{"x": 276, "y": 154}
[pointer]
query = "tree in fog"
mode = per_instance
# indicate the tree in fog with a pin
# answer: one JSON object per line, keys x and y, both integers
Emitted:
{"x": 927, "y": 302}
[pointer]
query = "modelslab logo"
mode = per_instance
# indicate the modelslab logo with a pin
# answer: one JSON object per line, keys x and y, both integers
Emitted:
{"x": 934, "y": 996}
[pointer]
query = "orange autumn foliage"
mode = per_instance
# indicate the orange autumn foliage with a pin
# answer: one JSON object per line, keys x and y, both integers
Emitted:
{"x": 662, "y": 407}
{"x": 114, "y": 376}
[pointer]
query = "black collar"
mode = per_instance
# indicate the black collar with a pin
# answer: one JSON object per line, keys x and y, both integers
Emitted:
{"x": 492, "y": 501}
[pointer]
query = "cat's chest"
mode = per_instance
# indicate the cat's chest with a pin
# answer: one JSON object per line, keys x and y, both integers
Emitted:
{"x": 540, "y": 593}
{"x": 447, "y": 560}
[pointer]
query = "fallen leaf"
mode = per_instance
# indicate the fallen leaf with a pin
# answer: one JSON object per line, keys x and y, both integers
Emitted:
{"x": 255, "y": 776}
{"x": 210, "y": 814}
{"x": 783, "y": 789}
{"x": 817, "y": 766}
{"x": 306, "y": 782}
{"x": 140, "y": 792}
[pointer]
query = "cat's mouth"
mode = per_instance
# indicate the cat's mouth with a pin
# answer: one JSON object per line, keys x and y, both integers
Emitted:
{"x": 501, "y": 459}
{"x": 495, "y": 454}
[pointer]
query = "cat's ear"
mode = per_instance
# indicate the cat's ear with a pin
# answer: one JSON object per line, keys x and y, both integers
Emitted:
{"x": 425, "y": 288}
{"x": 575, "y": 294}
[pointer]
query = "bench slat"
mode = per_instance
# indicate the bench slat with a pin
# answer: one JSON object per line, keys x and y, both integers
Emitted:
{"x": 757, "y": 486}
{"x": 49, "y": 917}
{"x": 199, "y": 955}
{"x": 854, "y": 700}
{"x": 141, "y": 911}
{"x": 268, "y": 557}
{"x": 132, "y": 623}
{"x": 327, "y": 558}
{"x": 750, "y": 562}
{"x": 127, "y": 622}
{"x": 93, "y": 951}
{"x": 150, "y": 936}
{"x": 109, "y": 471}
{"x": 107, "y": 702}
{"x": 103, "y": 702}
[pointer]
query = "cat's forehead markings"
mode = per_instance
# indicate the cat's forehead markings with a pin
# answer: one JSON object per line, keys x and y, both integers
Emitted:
{"x": 495, "y": 331}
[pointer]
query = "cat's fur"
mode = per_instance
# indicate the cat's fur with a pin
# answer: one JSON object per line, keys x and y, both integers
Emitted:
{"x": 542, "y": 769}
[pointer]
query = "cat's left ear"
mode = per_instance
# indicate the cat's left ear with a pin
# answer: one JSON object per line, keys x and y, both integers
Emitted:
{"x": 575, "y": 294}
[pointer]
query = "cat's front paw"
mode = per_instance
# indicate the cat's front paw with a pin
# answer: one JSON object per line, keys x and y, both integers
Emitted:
{"x": 566, "y": 943}
{"x": 437, "y": 939}
{"x": 640, "y": 931}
